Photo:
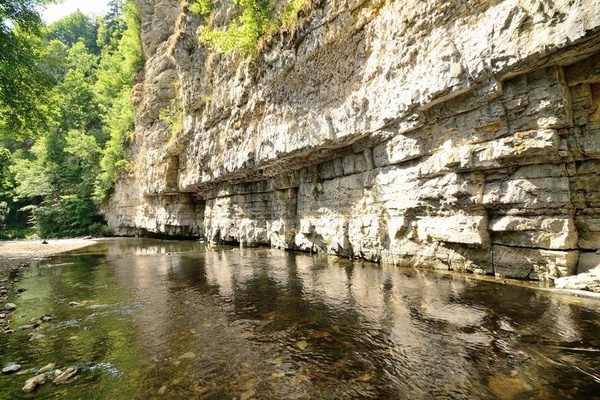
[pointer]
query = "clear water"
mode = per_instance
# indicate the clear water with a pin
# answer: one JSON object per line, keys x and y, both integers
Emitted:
{"x": 174, "y": 320}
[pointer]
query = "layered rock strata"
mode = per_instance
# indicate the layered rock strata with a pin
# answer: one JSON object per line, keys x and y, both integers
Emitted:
{"x": 460, "y": 135}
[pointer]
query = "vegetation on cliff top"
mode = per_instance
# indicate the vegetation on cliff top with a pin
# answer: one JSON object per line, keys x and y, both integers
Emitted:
{"x": 65, "y": 115}
{"x": 255, "y": 20}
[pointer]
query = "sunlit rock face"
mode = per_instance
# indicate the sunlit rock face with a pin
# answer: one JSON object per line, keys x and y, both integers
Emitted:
{"x": 460, "y": 135}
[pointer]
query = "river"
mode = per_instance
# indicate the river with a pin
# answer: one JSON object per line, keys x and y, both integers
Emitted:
{"x": 145, "y": 319}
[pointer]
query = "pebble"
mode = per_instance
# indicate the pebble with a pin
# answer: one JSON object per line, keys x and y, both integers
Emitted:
{"x": 302, "y": 344}
{"x": 73, "y": 303}
{"x": 11, "y": 369}
{"x": 10, "y": 307}
{"x": 46, "y": 318}
{"x": 2, "y": 315}
{"x": 3, "y": 292}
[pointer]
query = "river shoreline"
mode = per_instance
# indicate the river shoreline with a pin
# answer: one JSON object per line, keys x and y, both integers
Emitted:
{"x": 18, "y": 254}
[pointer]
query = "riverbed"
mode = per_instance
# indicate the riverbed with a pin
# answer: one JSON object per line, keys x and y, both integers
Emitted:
{"x": 143, "y": 319}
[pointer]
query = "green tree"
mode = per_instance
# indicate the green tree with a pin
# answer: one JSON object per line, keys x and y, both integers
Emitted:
{"x": 112, "y": 25}
{"x": 116, "y": 77}
{"x": 56, "y": 179}
{"x": 76, "y": 94}
{"x": 55, "y": 176}
{"x": 22, "y": 84}
{"x": 74, "y": 28}
{"x": 53, "y": 61}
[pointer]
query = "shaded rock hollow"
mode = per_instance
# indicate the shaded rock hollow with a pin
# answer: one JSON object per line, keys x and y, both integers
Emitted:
{"x": 460, "y": 135}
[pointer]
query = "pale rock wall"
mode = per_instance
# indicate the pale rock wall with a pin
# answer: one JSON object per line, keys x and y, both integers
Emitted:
{"x": 459, "y": 135}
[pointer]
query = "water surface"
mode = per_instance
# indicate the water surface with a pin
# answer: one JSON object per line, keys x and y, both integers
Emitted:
{"x": 145, "y": 319}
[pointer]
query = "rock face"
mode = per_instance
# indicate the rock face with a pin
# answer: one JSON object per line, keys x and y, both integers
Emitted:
{"x": 459, "y": 135}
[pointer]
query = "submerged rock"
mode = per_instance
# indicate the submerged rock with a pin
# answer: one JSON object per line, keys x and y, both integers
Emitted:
{"x": 36, "y": 336}
{"x": 66, "y": 376}
{"x": 248, "y": 394}
{"x": 11, "y": 369}
{"x": 506, "y": 388}
{"x": 47, "y": 368}
{"x": 32, "y": 383}
{"x": 302, "y": 344}
{"x": 29, "y": 326}
{"x": 190, "y": 355}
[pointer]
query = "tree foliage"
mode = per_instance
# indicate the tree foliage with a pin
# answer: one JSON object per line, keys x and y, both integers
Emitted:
{"x": 53, "y": 169}
{"x": 74, "y": 28}
{"x": 118, "y": 67}
{"x": 22, "y": 84}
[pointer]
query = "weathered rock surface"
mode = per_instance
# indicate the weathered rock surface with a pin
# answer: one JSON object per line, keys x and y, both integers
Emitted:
{"x": 453, "y": 135}
{"x": 32, "y": 383}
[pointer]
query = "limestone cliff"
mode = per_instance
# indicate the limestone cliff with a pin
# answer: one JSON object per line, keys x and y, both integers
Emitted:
{"x": 459, "y": 134}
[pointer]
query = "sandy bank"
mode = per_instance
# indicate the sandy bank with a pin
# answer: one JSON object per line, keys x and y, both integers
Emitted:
{"x": 18, "y": 252}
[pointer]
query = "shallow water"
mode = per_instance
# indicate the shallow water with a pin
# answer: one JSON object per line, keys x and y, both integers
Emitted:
{"x": 174, "y": 320}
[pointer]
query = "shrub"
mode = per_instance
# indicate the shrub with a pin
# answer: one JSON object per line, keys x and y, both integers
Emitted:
{"x": 244, "y": 31}
{"x": 201, "y": 7}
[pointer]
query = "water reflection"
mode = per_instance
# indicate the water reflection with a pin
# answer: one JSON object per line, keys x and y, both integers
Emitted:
{"x": 177, "y": 320}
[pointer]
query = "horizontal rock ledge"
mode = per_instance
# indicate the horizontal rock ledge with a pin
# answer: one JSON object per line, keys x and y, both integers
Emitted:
{"x": 422, "y": 134}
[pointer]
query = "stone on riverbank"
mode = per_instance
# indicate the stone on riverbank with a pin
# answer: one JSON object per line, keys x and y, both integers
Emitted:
{"x": 10, "y": 307}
